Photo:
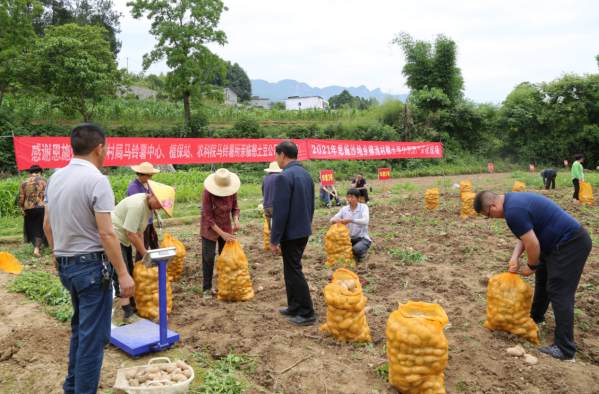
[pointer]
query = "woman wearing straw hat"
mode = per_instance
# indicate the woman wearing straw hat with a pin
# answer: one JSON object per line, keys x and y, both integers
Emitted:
{"x": 219, "y": 202}
{"x": 145, "y": 171}
{"x": 268, "y": 190}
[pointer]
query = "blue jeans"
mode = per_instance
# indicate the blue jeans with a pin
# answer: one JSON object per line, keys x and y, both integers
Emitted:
{"x": 326, "y": 197}
{"x": 90, "y": 325}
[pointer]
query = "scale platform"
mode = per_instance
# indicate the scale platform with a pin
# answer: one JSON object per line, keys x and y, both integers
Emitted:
{"x": 141, "y": 338}
{"x": 145, "y": 337}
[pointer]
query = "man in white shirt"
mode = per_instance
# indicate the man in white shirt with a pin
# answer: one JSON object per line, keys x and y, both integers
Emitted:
{"x": 355, "y": 216}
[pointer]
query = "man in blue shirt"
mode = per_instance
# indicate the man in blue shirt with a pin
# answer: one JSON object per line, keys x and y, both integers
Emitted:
{"x": 557, "y": 247}
{"x": 549, "y": 176}
{"x": 360, "y": 184}
{"x": 293, "y": 211}
{"x": 268, "y": 190}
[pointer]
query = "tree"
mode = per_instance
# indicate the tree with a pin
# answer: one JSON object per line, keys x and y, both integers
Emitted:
{"x": 342, "y": 98}
{"x": 16, "y": 35}
{"x": 238, "y": 78}
{"x": 279, "y": 105}
{"x": 183, "y": 28}
{"x": 84, "y": 13}
{"x": 74, "y": 65}
{"x": 433, "y": 66}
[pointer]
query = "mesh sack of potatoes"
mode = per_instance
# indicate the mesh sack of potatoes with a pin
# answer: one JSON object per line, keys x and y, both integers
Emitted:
{"x": 417, "y": 348}
{"x": 585, "y": 195}
{"x": 233, "y": 276}
{"x": 175, "y": 268}
{"x": 146, "y": 291}
{"x": 468, "y": 205}
{"x": 338, "y": 246}
{"x": 266, "y": 235}
{"x": 346, "y": 317}
{"x": 432, "y": 199}
{"x": 465, "y": 187}
{"x": 518, "y": 186}
{"x": 509, "y": 300}
{"x": 158, "y": 375}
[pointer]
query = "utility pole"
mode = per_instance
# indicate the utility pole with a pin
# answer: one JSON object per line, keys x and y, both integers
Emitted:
{"x": 127, "y": 65}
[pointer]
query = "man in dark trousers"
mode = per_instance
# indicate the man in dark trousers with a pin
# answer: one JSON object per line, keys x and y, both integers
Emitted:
{"x": 556, "y": 246}
{"x": 549, "y": 176}
{"x": 360, "y": 184}
{"x": 293, "y": 211}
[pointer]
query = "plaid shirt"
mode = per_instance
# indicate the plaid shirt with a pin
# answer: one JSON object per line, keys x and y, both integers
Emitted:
{"x": 217, "y": 211}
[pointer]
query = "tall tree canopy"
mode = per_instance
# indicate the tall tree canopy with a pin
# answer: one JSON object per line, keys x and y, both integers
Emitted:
{"x": 345, "y": 98}
{"x": 238, "y": 78}
{"x": 84, "y": 13}
{"x": 16, "y": 35}
{"x": 432, "y": 65}
{"x": 74, "y": 64}
{"x": 183, "y": 28}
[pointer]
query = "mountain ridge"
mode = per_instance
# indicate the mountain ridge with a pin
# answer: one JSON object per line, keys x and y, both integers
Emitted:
{"x": 277, "y": 91}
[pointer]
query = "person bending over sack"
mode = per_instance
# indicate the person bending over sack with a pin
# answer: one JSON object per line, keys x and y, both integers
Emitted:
{"x": 556, "y": 246}
{"x": 549, "y": 176}
{"x": 355, "y": 216}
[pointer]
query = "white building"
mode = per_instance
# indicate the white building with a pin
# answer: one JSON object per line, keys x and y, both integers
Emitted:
{"x": 260, "y": 102}
{"x": 231, "y": 95}
{"x": 295, "y": 103}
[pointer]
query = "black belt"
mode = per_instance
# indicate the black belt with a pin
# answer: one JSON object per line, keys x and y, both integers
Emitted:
{"x": 81, "y": 258}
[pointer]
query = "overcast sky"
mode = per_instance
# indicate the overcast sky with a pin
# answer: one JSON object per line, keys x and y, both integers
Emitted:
{"x": 346, "y": 42}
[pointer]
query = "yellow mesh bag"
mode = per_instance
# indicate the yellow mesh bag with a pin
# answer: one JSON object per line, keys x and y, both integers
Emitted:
{"x": 417, "y": 348}
{"x": 518, "y": 186}
{"x": 509, "y": 300}
{"x": 338, "y": 246}
{"x": 432, "y": 199}
{"x": 585, "y": 195}
{"x": 346, "y": 318}
{"x": 465, "y": 187}
{"x": 233, "y": 276}
{"x": 468, "y": 205}
{"x": 266, "y": 235}
{"x": 146, "y": 291}
{"x": 175, "y": 268}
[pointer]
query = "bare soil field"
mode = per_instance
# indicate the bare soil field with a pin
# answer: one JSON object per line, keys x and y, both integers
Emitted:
{"x": 461, "y": 255}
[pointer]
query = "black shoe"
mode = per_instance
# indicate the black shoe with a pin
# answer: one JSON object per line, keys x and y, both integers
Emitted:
{"x": 361, "y": 259}
{"x": 304, "y": 321}
{"x": 554, "y": 352}
{"x": 285, "y": 312}
{"x": 540, "y": 323}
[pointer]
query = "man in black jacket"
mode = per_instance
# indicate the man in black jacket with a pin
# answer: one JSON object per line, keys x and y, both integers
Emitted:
{"x": 293, "y": 212}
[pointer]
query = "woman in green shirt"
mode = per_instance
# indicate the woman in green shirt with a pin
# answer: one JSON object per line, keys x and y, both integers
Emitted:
{"x": 577, "y": 175}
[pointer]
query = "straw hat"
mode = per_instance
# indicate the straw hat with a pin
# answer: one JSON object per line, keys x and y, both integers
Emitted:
{"x": 145, "y": 168}
{"x": 273, "y": 167}
{"x": 222, "y": 183}
{"x": 165, "y": 195}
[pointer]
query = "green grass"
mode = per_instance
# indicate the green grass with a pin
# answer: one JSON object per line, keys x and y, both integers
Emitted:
{"x": 46, "y": 289}
{"x": 409, "y": 255}
{"x": 228, "y": 375}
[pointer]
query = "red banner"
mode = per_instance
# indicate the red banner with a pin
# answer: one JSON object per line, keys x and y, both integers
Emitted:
{"x": 350, "y": 150}
{"x": 55, "y": 152}
{"x": 384, "y": 174}
{"x": 327, "y": 178}
{"x": 532, "y": 167}
{"x": 566, "y": 163}
{"x": 491, "y": 169}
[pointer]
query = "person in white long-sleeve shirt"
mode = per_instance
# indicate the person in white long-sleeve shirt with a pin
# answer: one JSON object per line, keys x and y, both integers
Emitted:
{"x": 355, "y": 216}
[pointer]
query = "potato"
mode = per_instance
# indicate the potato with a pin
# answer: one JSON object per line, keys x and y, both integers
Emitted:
{"x": 133, "y": 383}
{"x": 179, "y": 378}
{"x": 170, "y": 368}
{"x": 152, "y": 369}
{"x": 187, "y": 373}
{"x": 144, "y": 378}
{"x": 130, "y": 374}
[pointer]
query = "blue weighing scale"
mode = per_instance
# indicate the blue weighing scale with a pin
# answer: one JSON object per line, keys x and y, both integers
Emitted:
{"x": 145, "y": 337}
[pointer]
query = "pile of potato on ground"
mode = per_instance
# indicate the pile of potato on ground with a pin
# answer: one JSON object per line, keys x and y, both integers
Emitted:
{"x": 152, "y": 375}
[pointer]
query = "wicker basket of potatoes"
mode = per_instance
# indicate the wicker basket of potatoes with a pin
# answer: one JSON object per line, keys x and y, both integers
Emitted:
{"x": 165, "y": 378}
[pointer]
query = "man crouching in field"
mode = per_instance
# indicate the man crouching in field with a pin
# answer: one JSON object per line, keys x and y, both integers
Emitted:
{"x": 557, "y": 247}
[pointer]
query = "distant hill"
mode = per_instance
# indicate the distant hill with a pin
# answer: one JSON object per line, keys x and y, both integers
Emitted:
{"x": 277, "y": 91}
